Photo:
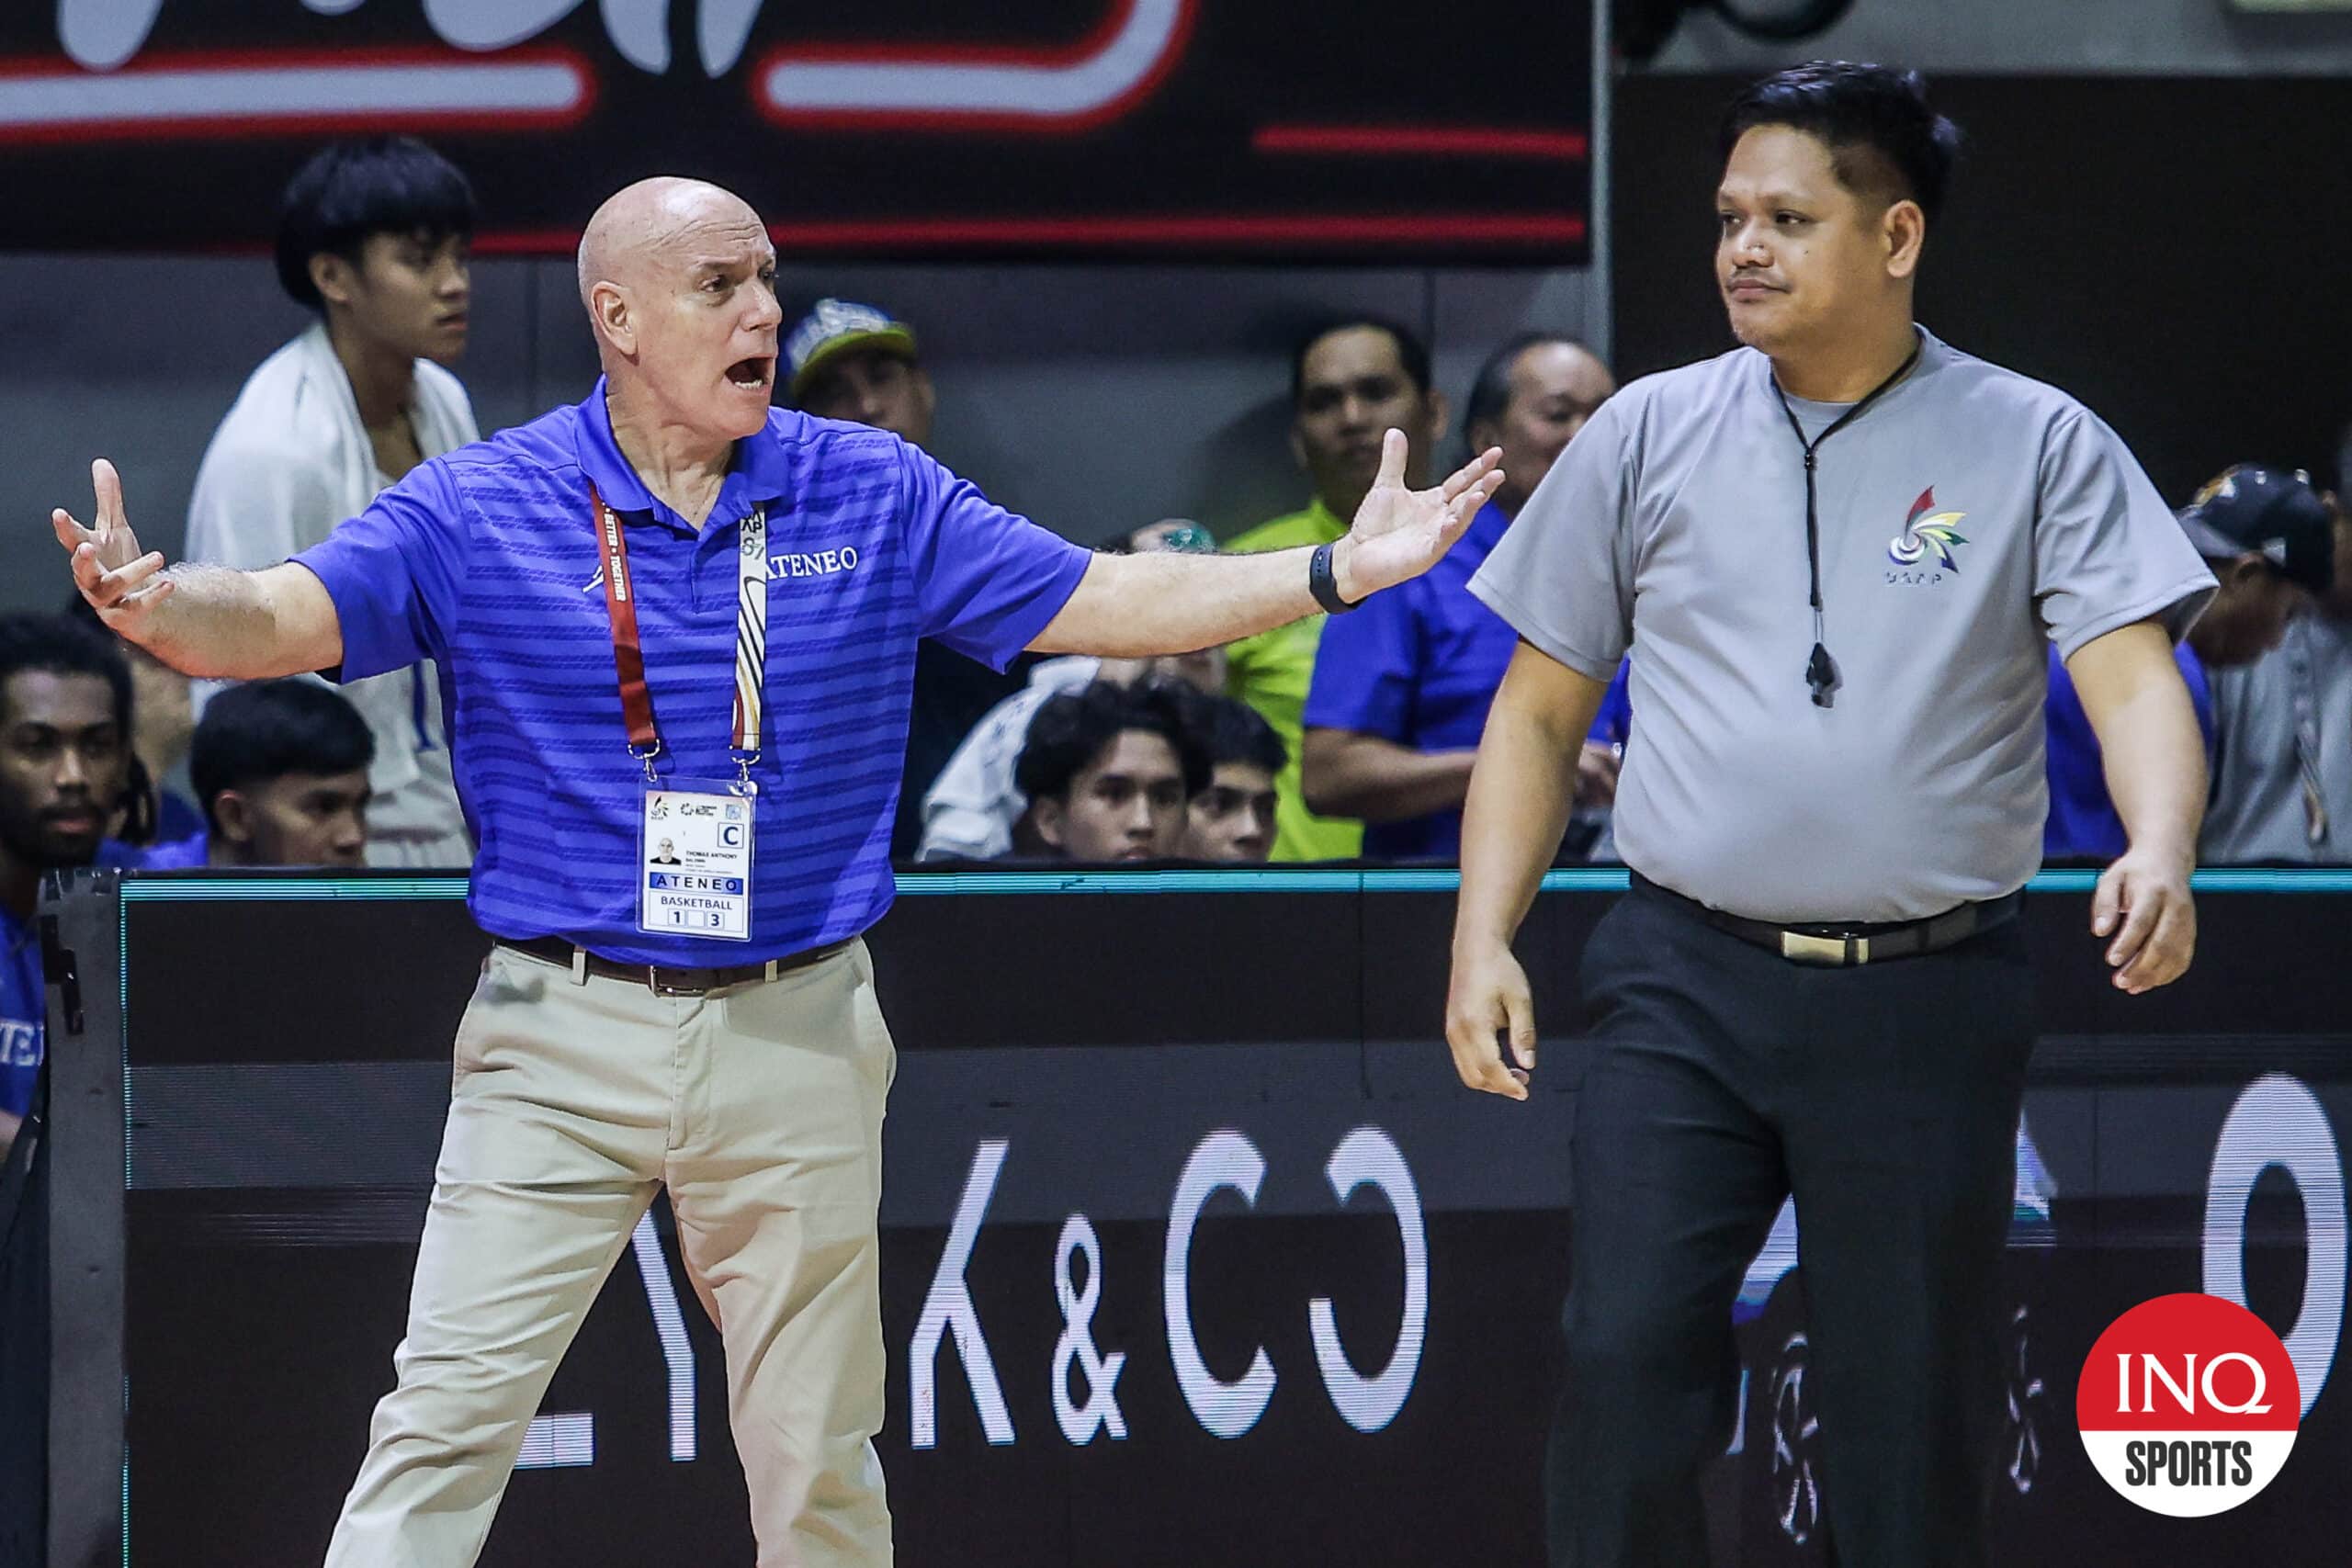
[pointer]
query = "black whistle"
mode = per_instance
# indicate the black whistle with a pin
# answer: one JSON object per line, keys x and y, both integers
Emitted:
{"x": 1821, "y": 675}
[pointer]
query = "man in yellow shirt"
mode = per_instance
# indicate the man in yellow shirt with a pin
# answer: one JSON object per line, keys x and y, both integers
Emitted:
{"x": 1351, "y": 380}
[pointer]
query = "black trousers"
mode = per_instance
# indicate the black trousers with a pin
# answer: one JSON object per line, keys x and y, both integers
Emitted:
{"x": 1717, "y": 1080}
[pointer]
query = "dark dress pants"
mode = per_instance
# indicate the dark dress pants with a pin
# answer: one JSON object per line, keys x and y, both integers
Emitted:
{"x": 1717, "y": 1079}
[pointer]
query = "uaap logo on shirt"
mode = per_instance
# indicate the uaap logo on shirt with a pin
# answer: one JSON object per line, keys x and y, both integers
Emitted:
{"x": 1926, "y": 547}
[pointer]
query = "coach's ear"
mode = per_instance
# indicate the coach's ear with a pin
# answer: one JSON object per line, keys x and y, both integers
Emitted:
{"x": 609, "y": 313}
{"x": 1905, "y": 231}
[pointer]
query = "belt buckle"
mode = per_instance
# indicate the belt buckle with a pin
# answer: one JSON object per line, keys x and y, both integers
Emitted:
{"x": 654, "y": 983}
{"x": 1826, "y": 951}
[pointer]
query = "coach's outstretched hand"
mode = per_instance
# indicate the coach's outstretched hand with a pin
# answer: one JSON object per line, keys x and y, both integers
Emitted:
{"x": 113, "y": 575}
{"x": 1399, "y": 533}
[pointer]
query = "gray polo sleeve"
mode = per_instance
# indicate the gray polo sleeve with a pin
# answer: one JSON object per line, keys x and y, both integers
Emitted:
{"x": 1563, "y": 575}
{"x": 2106, "y": 550}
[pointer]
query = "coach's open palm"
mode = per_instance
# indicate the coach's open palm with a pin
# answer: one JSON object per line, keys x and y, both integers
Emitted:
{"x": 1399, "y": 533}
{"x": 108, "y": 566}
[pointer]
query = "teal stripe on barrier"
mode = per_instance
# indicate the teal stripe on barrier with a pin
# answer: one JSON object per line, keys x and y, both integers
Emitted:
{"x": 182, "y": 889}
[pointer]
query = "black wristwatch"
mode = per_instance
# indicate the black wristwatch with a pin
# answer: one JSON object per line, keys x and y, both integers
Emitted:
{"x": 1324, "y": 586}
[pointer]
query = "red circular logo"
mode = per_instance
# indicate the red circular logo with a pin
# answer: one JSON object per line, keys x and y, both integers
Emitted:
{"x": 2188, "y": 1404}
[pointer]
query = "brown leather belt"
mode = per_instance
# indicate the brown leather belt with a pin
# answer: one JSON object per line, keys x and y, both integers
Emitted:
{"x": 1842, "y": 945}
{"x": 663, "y": 982}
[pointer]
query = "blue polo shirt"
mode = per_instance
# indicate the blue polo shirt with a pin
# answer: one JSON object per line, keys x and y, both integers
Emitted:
{"x": 2083, "y": 824}
{"x": 485, "y": 561}
{"x": 1419, "y": 665}
{"x": 23, "y": 1010}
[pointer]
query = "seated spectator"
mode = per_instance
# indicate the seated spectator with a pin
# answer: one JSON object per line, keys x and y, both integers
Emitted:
{"x": 854, "y": 362}
{"x": 156, "y": 807}
{"x": 1351, "y": 381}
{"x": 2282, "y": 765}
{"x": 860, "y": 365}
{"x": 65, "y": 722}
{"x": 2083, "y": 823}
{"x": 281, "y": 767}
{"x": 1231, "y": 819}
{"x": 374, "y": 237}
{"x": 1401, "y": 686}
{"x": 973, "y": 808}
{"x": 2267, "y": 535}
{"x": 1107, "y": 770}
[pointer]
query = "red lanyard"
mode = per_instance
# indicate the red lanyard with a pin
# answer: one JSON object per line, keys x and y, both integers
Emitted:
{"x": 628, "y": 651}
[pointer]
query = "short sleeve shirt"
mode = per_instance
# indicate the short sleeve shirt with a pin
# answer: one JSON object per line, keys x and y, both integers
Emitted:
{"x": 1968, "y": 517}
{"x": 1419, "y": 665}
{"x": 485, "y": 561}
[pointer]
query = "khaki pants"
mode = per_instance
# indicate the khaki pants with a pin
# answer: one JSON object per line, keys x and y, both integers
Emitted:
{"x": 760, "y": 1109}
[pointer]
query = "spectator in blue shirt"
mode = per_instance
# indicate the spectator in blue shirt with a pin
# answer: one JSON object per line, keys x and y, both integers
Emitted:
{"x": 1400, "y": 690}
{"x": 676, "y": 612}
{"x": 2269, "y": 539}
{"x": 281, "y": 770}
{"x": 66, "y": 713}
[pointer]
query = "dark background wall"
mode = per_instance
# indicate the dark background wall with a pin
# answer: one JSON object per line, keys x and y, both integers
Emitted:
{"x": 2170, "y": 250}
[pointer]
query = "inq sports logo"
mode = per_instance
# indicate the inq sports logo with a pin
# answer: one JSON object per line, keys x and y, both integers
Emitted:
{"x": 2188, "y": 1404}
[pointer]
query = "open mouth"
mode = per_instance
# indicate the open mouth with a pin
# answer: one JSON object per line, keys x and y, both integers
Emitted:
{"x": 752, "y": 375}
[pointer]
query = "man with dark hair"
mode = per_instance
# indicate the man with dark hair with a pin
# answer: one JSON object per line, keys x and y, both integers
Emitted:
{"x": 64, "y": 764}
{"x": 281, "y": 767}
{"x": 1231, "y": 817}
{"x": 1837, "y": 555}
{"x": 373, "y": 235}
{"x": 1400, "y": 690}
{"x": 1350, "y": 378}
{"x": 1107, "y": 770}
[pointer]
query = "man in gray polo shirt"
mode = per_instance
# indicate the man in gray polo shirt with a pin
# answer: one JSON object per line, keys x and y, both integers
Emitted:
{"x": 2282, "y": 723}
{"x": 1835, "y": 556}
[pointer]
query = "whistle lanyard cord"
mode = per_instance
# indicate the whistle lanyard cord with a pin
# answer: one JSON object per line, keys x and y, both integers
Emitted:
{"x": 1821, "y": 671}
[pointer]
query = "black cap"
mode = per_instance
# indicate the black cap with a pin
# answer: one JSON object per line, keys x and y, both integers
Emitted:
{"x": 2247, "y": 510}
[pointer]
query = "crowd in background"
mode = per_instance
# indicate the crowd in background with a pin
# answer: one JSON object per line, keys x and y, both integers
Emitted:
{"x": 1336, "y": 738}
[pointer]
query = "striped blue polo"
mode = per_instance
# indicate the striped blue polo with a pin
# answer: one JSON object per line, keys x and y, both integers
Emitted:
{"x": 486, "y": 562}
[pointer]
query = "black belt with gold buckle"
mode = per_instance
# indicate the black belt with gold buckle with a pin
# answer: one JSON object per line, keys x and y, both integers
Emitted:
{"x": 1844, "y": 945}
{"x": 663, "y": 982}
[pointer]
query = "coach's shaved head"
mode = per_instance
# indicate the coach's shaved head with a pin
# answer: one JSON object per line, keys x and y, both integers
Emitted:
{"x": 679, "y": 282}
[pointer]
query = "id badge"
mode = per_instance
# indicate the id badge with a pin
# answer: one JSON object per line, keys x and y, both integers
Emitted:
{"x": 695, "y": 850}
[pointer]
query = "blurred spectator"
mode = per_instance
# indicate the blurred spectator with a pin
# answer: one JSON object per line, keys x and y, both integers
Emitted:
{"x": 156, "y": 807}
{"x": 1351, "y": 381}
{"x": 2282, "y": 766}
{"x": 1107, "y": 770}
{"x": 974, "y": 807}
{"x": 1231, "y": 819}
{"x": 1401, "y": 686}
{"x": 2267, "y": 536}
{"x": 281, "y": 767}
{"x": 64, "y": 763}
{"x": 374, "y": 235}
{"x": 855, "y": 363}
